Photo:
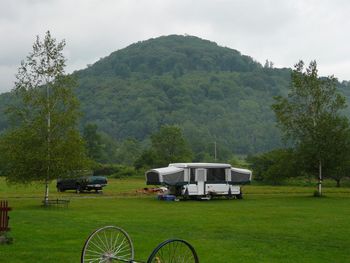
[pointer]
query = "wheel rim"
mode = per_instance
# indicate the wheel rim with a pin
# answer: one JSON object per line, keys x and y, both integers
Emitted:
{"x": 174, "y": 251}
{"x": 107, "y": 244}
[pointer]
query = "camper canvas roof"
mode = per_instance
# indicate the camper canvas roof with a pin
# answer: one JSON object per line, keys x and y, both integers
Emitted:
{"x": 200, "y": 165}
{"x": 240, "y": 170}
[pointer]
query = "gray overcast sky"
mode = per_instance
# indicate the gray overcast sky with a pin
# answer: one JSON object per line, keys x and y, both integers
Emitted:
{"x": 282, "y": 31}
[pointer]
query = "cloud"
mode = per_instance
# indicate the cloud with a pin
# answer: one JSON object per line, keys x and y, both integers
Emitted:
{"x": 281, "y": 31}
{"x": 7, "y": 77}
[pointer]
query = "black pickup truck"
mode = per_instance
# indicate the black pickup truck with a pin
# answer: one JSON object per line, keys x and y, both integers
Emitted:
{"x": 86, "y": 183}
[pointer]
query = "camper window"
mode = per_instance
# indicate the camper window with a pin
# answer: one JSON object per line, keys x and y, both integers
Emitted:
{"x": 216, "y": 175}
{"x": 192, "y": 175}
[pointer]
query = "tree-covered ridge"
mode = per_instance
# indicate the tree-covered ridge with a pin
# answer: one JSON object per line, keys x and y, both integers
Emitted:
{"x": 213, "y": 93}
{"x": 176, "y": 54}
{"x": 228, "y": 107}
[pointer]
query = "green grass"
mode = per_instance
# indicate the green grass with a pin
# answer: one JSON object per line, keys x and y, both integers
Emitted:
{"x": 272, "y": 224}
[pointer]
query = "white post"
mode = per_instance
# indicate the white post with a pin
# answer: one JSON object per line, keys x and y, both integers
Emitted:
{"x": 215, "y": 151}
{"x": 46, "y": 198}
{"x": 320, "y": 178}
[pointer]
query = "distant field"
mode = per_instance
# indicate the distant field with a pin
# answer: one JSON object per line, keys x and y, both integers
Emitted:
{"x": 271, "y": 224}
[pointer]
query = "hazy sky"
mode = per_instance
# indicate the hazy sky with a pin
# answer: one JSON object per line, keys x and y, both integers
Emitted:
{"x": 282, "y": 31}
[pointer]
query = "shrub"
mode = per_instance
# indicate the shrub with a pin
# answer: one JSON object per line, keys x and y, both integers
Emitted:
{"x": 115, "y": 170}
{"x": 124, "y": 171}
{"x": 275, "y": 166}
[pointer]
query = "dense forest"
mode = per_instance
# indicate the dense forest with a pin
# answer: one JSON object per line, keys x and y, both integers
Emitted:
{"x": 214, "y": 94}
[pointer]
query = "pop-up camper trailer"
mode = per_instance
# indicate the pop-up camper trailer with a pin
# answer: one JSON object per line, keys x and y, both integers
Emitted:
{"x": 200, "y": 179}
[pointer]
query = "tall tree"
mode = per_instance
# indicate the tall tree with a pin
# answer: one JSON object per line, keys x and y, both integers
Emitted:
{"x": 168, "y": 146}
{"x": 309, "y": 112}
{"x": 43, "y": 142}
{"x": 334, "y": 144}
{"x": 93, "y": 142}
{"x": 128, "y": 152}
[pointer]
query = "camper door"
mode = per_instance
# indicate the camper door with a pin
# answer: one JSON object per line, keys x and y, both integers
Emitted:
{"x": 201, "y": 177}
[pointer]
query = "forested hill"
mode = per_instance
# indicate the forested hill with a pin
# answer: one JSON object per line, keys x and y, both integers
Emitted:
{"x": 213, "y": 93}
{"x": 171, "y": 54}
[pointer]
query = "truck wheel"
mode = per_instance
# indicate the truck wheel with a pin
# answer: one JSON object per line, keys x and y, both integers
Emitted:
{"x": 239, "y": 196}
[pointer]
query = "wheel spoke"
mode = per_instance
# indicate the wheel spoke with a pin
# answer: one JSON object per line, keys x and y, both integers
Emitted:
{"x": 101, "y": 241}
{"x": 97, "y": 246}
{"x": 105, "y": 238}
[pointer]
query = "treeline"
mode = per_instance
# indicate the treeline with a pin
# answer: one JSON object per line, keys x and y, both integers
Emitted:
{"x": 282, "y": 166}
{"x": 168, "y": 145}
{"x": 208, "y": 108}
{"x": 214, "y": 95}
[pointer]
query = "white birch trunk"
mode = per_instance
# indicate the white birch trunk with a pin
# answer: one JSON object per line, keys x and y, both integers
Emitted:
{"x": 320, "y": 178}
{"x": 46, "y": 198}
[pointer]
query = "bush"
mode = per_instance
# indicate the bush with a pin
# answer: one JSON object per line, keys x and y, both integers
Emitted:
{"x": 275, "y": 166}
{"x": 104, "y": 169}
{"x": 115, "y": 170}
{"x": 124, "y": 171}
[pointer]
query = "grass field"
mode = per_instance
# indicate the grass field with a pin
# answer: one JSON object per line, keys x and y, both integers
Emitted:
{"x": 271, "y": 224}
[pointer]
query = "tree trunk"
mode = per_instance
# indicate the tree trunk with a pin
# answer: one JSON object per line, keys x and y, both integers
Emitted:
{"x": 48, "y": 143}
{"x": 46, "y": 198}
{"x": 320, "y": 178}
{"x": 338, "y": 182}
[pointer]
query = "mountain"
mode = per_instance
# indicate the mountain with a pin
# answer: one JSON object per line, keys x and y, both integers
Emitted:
{"x": 215, "y": 94}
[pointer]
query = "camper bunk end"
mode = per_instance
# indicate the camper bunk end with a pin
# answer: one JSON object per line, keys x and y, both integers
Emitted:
{"x": 200, "y": 180}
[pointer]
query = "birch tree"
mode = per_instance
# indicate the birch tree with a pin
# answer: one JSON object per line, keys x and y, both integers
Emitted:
{"x": 310, "y": 113}
{"x": 43, "y": 142}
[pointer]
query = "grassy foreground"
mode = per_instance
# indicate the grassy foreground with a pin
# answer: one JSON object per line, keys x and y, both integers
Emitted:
{"x": 272, "y": 224}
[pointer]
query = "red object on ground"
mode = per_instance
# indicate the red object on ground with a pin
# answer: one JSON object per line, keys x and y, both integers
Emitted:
{"x": 4, "y": 218}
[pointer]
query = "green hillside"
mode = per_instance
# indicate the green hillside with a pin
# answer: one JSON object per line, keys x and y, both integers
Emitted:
{"x": 213, "y": 93}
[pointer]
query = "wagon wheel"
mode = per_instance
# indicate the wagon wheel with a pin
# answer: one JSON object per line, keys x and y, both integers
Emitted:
{"x": 173, "y": 251}
{"x": 108, "y": 244}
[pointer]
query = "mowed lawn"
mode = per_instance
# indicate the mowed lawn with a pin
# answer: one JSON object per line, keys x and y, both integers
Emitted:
{"x": 271, "y": 224}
